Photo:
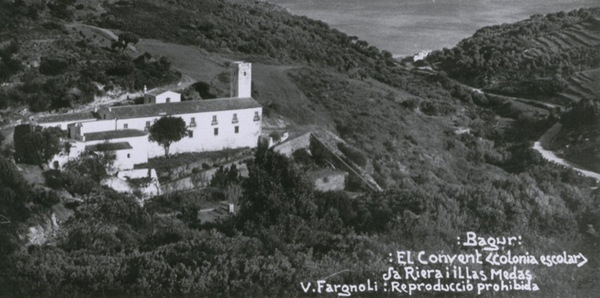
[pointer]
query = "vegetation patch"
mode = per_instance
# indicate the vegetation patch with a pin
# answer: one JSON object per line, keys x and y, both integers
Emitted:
{"x": 532, "y": 58}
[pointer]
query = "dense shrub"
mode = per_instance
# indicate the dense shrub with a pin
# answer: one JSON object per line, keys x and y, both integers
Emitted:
{"x": 507, "y": 59}
{"x": 354, "y": 155}
{"x": 71, "y": 181}
{"x": 36, "y": 145}
{"x": 8, "y": 64}
{"x": 53, "y": 66}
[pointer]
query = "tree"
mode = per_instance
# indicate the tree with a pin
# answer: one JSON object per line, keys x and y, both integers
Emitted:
{"x": 127, "y": 38}
{"x": 167, "y": 130}
{"x": 9, "y": 65}
{"x": 275, "y": 190}
{"x": 35, "y": 144}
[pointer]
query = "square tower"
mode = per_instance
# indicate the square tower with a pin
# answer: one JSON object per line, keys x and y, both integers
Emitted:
{"x": 241, "y": 80}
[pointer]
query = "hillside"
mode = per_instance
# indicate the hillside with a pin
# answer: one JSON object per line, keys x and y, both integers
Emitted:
{"x": 542, "y": 57}
{"x": 50, "y": 62}
{"x": 579, "y": 137}
{"x": 551, "y": 58}
{"x": 450, "y": 160}
{"x": 581, "y": 85}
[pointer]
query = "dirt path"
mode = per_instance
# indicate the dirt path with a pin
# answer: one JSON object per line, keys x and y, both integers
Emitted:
{"x": 106, "y": 33}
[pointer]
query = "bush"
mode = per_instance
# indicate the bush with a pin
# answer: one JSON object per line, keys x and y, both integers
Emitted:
{"x": 46, "y": 198}
{"x": 53, "y": 66}
{"x": 354, "y": 155}
{"x": 410, "y": 103}
{"x": 203, "y": 89}
{"x": 8, "y": 65}
{"x": 436, "y": 108}
{"x": 121, "y": 69}
{"x": 71, "y": 181}
{"x": 93, "y": 166}
{"x": 36, "y": 145}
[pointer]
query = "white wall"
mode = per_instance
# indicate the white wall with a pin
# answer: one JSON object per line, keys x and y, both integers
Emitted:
{"x": 162, "y": 97}
{"x": 173, "y": 97}
{"x": 140, "y": 145}
{"x": 62, "y": 124}
{"x": 97, "y": 126}
{"x": 203, "y": 138}
{"x": 137, "y": 155}
{"x": 135, "y": 123}
{"x": 125, "y": 159}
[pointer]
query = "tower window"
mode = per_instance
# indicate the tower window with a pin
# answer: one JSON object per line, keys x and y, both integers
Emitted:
{"x": 236, "y": 129}
{"x": 216, "y": 131}
{"x": 214, "y": 120}
{"x": 128, "y": 155}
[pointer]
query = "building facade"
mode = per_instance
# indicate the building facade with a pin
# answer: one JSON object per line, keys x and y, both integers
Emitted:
{"x": 212, "y": 125}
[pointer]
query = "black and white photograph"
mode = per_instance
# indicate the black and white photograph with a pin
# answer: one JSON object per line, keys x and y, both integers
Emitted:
{"x": 299, "y": 148}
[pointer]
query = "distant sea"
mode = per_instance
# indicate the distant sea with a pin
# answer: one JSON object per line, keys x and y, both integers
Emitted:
{"x": 405, "y": 27}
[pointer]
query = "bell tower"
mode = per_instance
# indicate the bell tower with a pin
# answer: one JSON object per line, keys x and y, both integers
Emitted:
{"x": 241, "y": 79}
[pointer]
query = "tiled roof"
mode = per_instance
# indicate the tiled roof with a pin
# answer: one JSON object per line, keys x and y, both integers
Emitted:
{"x": 114, "y": 134}
{"x": 156, "y": 92}
{"x": 109, "y": 146}
{"x": 66, "y": 117}
{"x": 184, "y": 107}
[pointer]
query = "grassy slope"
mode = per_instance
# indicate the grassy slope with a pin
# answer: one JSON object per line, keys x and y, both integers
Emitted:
{"x": 190, "y": 61}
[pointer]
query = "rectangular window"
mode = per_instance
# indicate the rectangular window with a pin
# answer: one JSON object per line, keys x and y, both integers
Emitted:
{"x": 193, "y": 122}
{"x": 214, "y": 120}
{"x": 236, "y": 129}
{"x": 147, "y": 126}
{"x": 190, "y": 133}
{"x": 235, "y": 119}
{"x": 256, "y": 116}
{"x": 128, "y": 155}
{"x": 125, "y": 126}
{"x": 216, "y": 131}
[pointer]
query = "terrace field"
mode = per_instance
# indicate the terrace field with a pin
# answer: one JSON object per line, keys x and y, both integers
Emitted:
{"x": 550, "y": 58}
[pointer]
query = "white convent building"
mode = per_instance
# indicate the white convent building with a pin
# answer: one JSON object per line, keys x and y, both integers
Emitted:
{"x": 212, "y": 125}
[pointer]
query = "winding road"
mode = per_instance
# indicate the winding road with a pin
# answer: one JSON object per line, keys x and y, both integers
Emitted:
{"x": 546, "y": 139}
{"x": 551, "y": 156}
